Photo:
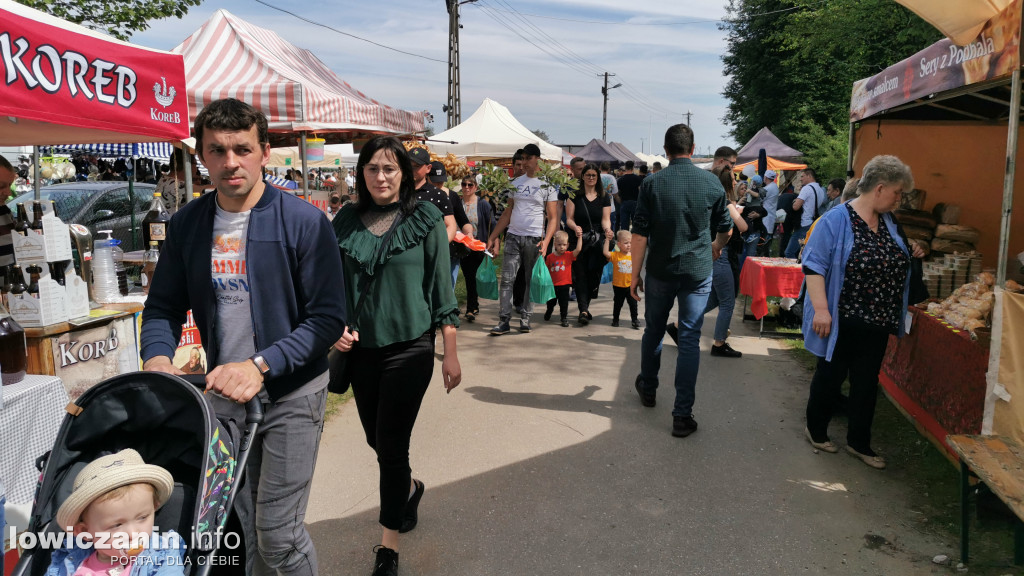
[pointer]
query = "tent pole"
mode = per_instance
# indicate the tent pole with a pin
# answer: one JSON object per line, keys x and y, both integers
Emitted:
{"x": 187, "y": 161}
{"x": 302, "y": 157}
{"x": 1011, "y": 168}
{"x": 849, "y": 152}
{"x": 36, "y": 173}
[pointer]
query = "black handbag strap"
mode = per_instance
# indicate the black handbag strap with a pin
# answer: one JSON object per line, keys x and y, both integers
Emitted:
{"x": 367, "y": 279}
{"x": 587, "y": 210}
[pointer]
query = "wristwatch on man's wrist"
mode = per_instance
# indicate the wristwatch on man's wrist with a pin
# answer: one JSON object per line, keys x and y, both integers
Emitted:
{"x": 260, "y": 363}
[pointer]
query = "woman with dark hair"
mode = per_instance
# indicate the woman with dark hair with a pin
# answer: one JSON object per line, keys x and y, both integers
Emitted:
{"x": 481, "y": 217}
{"x": 408, "y": 296}
{"x": 857, "y": 271}
{"x": 589, "y": 214}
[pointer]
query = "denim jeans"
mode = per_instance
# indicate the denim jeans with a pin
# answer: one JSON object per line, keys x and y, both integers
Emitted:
{"x": 749, "y": 247}
{"x": 625, "y": 212}
{"x": 723, "y": 295}
{"x": 693, "y": 299}
{"x": 793, "y": 248}
{"x": 455, "y": 271}
{"x": 520, "y": 253}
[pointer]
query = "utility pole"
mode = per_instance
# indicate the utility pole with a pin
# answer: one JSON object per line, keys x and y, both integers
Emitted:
{"x": 604, "y": 116}
{"x": 454, "y": 106}
{"x": 688, "y": 113}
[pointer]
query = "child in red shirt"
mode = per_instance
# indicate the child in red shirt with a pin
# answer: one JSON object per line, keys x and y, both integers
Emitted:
{"x": 560, "y": 266}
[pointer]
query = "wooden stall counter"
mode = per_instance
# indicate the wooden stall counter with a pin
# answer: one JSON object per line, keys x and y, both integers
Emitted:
{"x": 85, "y": 351}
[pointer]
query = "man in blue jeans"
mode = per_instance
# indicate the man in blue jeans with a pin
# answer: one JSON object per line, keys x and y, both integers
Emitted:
{"x": 677, "y": 209}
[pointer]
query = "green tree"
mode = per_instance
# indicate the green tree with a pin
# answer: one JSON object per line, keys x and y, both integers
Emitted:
{"x": 119, "y": 18}
{"x": 542, "y": 135}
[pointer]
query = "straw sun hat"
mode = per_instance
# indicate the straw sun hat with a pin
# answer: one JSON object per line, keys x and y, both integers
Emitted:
{"x": 107, "y": 473}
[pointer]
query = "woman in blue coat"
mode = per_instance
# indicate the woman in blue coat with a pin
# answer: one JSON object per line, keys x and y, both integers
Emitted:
{"x": 857, "y": 271}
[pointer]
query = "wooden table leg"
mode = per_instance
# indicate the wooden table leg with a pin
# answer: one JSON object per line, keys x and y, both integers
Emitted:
{"x": 965, "y": 517}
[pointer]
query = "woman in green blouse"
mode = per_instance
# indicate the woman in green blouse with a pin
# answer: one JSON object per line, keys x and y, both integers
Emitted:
{"x": 409, "y": 295}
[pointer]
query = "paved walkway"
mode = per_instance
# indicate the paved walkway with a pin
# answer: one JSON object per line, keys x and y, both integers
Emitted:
{"x": 544, "y": 462}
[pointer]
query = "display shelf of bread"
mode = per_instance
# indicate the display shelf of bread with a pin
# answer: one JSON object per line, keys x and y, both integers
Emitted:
{"x": 969, "y": 307}
{"x": 456, "y": 168}
{"x": 942, "y": 274}
{"x": 939, "y": 230}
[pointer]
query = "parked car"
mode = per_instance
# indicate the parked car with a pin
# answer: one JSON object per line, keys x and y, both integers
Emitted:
{"x": 98, "y": 206}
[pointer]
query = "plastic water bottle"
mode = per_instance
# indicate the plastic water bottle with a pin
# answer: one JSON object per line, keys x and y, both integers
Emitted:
{"x": 104, "y": 274}
{"x": 119, "y": 269}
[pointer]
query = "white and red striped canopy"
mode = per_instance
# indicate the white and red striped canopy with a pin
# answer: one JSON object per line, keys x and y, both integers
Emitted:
{"x": 230, "y": 58}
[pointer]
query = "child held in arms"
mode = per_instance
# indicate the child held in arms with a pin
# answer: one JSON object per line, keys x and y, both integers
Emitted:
{"x": 112, "y": 507}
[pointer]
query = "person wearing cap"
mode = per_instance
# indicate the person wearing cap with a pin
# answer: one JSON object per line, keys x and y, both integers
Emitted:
{"x": 529, "y": 205}
{"x": 115, "y": 498}
{"x": 438, "y": 178}
{"x": 771, "y": 205}
{"x": 427, "y": 192}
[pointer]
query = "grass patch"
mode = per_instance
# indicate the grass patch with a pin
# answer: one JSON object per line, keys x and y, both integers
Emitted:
{"x": 934, "y": 484}
{"x": 335, "y": 402}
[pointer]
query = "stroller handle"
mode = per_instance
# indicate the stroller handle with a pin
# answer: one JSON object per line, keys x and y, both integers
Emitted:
{"x": 253, "y": 408}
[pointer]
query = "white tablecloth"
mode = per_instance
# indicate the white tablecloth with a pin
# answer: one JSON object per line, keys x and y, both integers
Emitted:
{"x": 32, "y": 412}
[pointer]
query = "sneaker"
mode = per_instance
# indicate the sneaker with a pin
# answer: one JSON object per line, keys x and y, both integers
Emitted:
{"x": 583, "y": 320}
{"x": 524, "y": 326}
{"x": 548, "y": 313}
{"x": 501, "y": 328}
{"x": 386, "y": 563}
{"x": 868, "y": 457}
{"x": 411, "y": 517}
{"x": 648, "y": 399}
{"x": 636, "y": 324}
{"x": 615, "y": 323}
{"x": 673, "y": 332}
{"x": 683, "y": 426}
{"x": 725, "y": 351}
{"x": 470, "y": 316}
{"x": 565, "y": 323}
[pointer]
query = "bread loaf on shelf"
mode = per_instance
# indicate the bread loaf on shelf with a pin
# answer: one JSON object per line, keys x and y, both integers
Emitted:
{"x": 957, "y": 233}
{"x": 918, "y": 218}
{"x": 944, "y": 245}
{"x": 946, "y": 213}
{"x": 918, "y": 233}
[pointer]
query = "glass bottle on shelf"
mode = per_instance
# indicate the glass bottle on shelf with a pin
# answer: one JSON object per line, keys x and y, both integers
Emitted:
{"x": 57, "y": 271}
{"x": 21, "y": 223}
{"x": 13, "y": 349}
{"x": 150, "y": 260}
{"x": 33, "y": 283}
{"x": 5, "y": 284}
{"x": 37, "y": 216}
{"x": 154, "y": 225}
{"x": 18, "y": 286}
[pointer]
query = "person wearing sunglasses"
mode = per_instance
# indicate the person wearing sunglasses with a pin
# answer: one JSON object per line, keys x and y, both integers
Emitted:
{"x": 481, "y": 217}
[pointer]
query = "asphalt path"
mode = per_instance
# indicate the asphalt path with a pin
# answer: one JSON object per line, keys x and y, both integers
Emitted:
{"x": 544, "y": 462}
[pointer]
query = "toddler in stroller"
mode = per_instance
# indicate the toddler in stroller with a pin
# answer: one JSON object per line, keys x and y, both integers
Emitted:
{"x": 169, "y": 423}
{"x": 113, "y": 506}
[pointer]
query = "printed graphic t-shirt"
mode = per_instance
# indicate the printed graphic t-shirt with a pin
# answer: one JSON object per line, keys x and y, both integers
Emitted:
{"x": 560, "y": 268}
{"x": 234, "y": 331}
{"x": 622, "y": 269}
{"x": 530, "y": 197}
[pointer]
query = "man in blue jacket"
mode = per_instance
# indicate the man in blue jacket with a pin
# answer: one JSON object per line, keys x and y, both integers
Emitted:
{"x": 261, "y": 272}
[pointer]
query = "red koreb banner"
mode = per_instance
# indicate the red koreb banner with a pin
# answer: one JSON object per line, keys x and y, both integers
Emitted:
{"x": 61, "y": 74}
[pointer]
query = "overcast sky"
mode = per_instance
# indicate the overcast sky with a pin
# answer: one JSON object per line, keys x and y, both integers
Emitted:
{"x": 666, "y": 54}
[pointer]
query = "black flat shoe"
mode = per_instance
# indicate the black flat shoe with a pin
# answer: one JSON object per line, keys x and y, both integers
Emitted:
{"x": 411, "y": 509}
{"x": 583, "y": 320}
{"x": 386, "y": 563}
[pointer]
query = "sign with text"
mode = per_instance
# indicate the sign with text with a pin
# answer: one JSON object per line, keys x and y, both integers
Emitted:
{"x": 83, "y": 358}
{"x": 993, "y": 54}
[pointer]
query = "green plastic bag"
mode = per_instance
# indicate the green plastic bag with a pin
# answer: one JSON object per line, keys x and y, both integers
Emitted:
{"x": 542, "y": 288}
{"x": 487, "y": 280}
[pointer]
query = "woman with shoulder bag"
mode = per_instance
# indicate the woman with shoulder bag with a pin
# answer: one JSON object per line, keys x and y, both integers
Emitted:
{"x": 391, "y": 342}
{"x": 591, "y": 208}
{"x": 857, "y": 271}
{"x": 481, "y": 217}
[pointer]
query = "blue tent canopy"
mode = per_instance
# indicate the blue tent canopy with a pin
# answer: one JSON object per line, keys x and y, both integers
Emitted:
{"x": 156, "y": 150}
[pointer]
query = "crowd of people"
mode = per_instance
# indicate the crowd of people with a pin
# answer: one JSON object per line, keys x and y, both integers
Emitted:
{"x": 375, "y": 281}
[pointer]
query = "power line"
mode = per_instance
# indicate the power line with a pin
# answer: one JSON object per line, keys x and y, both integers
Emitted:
{"x": 670, "y": 23}
{"x": 561, "y": 59}
{"x": 313, "y": 22}
{"x": 545, "y": 36}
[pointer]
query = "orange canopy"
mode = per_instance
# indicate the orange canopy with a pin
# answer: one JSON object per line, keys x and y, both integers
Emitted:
{"x": 773, "y": 164}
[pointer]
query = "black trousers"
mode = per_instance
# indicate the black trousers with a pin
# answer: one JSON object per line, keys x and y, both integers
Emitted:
{"x": 622, "y": 295}
{"x": 470, "y": 264}
{"x": 859, "y": 352}
{"x": 389, "y": 384}
{"x": 587, "y": 275}
{"x": 519, "y": 287}
{"x": 562, "y": 299}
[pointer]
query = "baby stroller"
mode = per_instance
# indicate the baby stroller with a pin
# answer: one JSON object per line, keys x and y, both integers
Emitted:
{"x": 171, "y": 424}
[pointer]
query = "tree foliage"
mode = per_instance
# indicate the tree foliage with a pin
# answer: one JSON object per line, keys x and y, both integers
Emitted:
{"x": 792, "y": 64}
{"x": 542, "y": 135}
{"x": 119, "y": 18}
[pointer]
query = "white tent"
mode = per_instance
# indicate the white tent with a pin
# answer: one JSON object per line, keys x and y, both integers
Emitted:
{"x": 491, "y": 132}
{"x": 651, "y": 159}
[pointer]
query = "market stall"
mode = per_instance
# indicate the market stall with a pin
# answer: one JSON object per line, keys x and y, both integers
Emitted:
{"x": 952, "y": 112}
{"x": 492, "y": 132}
{"x": 299, "y": 94}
